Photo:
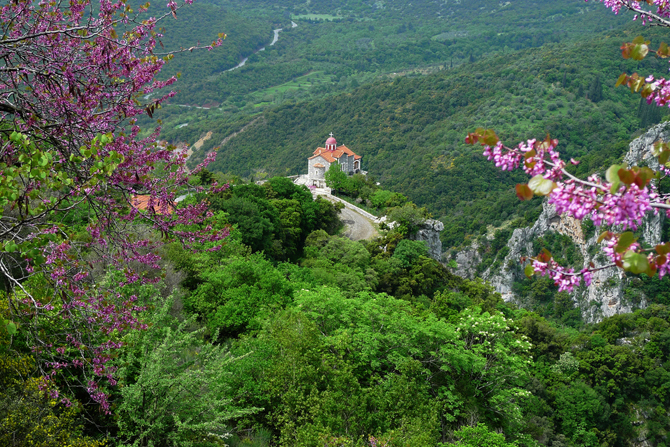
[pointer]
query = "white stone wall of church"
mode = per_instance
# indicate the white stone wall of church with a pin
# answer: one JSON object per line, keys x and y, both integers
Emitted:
{"x": 317, "y": 173}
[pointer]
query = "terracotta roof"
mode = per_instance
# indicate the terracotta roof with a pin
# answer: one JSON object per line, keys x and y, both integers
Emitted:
{"x": 346, "y": 150}
{"x": 326, "y": 155}
{"x": 319, "y": 165}
{"x": 332, "y": 156}
{"x": 337, "y": 153}
{"x": 141, "y": 202}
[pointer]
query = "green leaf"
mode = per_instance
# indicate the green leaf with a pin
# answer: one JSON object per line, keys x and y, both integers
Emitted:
{"x": 529, "y": 270}
{"x": 615, "y": 187}
{"x": 644, "y": 176}
{"x": 490, "y": 137}
{"x": 604, "y": 235}
{"x": 626, "y": 176}
{"x": 625, "y": 241}
{"x": 623, "y": 78}
{"x": 635, "y": 262}
{"x": 663, "y": 249}
{"x": 640, "y": 52}
{"x": 11, "y": 328}
{"x": 663, "y": 157}
{"x": 612, "y": 174}
{"x": 541, "y": 186}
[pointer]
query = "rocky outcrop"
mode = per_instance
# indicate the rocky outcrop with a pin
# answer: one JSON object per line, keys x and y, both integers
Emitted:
{"x": 605, "y": 296}
{"x": 429, "y": 232}
{"x": 639, "y": 151}
{"x": 467, "y": 261}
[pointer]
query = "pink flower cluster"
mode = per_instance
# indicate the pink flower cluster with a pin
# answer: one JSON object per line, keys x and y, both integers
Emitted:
{"x": 69, "y": 79}
{"x": 658, "y": 16}
{"x": 626, "y": 207}
{"x": 565, "y": 278}
{"x": 503, "y": 159}
{"x": 619, "y": 204}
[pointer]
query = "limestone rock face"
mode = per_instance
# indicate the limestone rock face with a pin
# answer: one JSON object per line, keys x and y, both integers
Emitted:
{"x": 430, "y": 233}
{"x": 605, "y": 296}
{"x": 639, "y": 151}
{"x": 468, "y": 260}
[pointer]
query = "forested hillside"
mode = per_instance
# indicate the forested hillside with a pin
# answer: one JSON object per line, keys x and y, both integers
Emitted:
{"x": 147, "y": 302}
{"x": 291, "y": 335}
{"x": 410, "y": 130}
{"x": 343, "y": 43}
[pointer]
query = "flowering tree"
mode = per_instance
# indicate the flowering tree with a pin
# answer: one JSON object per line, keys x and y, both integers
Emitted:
{"x": 623, "y": 198}
{"x": 73, "y": 77}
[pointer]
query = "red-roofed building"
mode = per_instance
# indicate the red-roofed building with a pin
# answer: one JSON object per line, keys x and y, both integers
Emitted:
{"x": 144, "y": 203}
{"x": 323, "y": 157}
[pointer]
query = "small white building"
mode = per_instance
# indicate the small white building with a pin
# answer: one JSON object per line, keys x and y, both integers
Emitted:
{"x": 323, "y": 157}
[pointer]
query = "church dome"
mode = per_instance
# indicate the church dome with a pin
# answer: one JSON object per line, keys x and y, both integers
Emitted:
{"x": 331, "y": 143}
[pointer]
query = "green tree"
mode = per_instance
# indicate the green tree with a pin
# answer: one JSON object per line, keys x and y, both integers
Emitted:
{"x": 336, "y": 178}
{"x": 174, "y": 388}
{"x": 255, "y": 219}
{"x": 383, "y": 198}
{"x": 480, "y": 436}
{"x": 31, "y": 415}
{"x": 596, "y": 90}
{"x": 580, "y": 409}
{"x": 290, "y": 232}
{"x": 239, "y": 293}
{"x": 408, "y": 251}
{"x": 408, "y": 218}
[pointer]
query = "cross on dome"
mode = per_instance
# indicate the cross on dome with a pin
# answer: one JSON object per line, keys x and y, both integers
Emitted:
{"x": 331, "y": 143}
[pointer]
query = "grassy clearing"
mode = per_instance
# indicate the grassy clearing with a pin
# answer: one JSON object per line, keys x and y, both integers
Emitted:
{"x": 303, "y": 82}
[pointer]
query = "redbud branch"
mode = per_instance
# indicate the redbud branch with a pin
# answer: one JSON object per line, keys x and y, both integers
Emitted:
{"x": 580, "y": 273}
{"x": 642, "y": 12}
{"x": 11, "y": 278}
{"x": 45, "y": 33}
{"x": 587, "y": 183}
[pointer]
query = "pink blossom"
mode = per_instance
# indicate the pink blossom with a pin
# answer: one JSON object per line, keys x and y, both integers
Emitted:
{"x": 77, "y": 90}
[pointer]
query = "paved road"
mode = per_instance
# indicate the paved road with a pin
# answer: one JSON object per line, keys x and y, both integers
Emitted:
{"x": 275, "y": 38}
{"x": 358, "y": 227}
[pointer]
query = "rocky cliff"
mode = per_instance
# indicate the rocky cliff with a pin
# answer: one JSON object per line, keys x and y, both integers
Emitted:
{"x": 605, "y": 296}
{"x": 429, "y": 232}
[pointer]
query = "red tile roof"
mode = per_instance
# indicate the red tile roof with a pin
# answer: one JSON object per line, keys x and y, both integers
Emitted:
{"x": 326, "y": 155}
{"x": 141, "y": 202}
{"x": 346, "y": 150}
{"x": 330, "y": 156}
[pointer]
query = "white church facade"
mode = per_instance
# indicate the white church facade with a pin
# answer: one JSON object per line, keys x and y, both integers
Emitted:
{"x": 323, "y": 157}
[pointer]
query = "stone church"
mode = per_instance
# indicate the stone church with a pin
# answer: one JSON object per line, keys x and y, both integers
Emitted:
{"x": 323, "y": 157}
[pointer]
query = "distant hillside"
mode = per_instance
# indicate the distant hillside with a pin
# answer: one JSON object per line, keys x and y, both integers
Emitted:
{"x": 355, "y": 39}
{"x": 200, "y": 24}
{"x": 411, "y": 130}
